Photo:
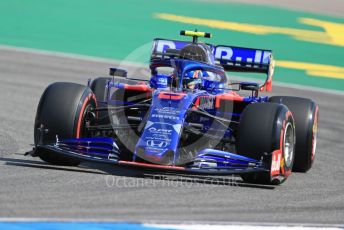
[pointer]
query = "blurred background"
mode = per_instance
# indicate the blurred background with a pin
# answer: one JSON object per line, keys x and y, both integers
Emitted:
{"x": 307, "y": 37}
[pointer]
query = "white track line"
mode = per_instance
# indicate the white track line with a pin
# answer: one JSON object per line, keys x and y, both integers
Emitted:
{"x": 192, "y": 225}
{"x": 235, "y": 227}
{"x": 140, "y": 65}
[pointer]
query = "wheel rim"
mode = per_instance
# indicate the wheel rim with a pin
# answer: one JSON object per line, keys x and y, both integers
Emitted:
{"x": 88, "y": 116}
{"x": 315, "y": 133}
{"x": 289, "y": 144}
{"x": 314, "y": 144}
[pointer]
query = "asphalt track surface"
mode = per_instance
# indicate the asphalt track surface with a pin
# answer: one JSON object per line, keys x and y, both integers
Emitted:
{"x": 34, "y": 189}
{"x": 326, "y": 7}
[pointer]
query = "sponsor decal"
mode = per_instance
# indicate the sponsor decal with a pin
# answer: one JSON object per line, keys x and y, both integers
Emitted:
{"x": 157, "y": 144}
{"x": 251, "y": 57}
{"x": 153, "y": 150}
{"x": 207, "y": 103}
{"x": 171, "y": 117}
{"x": 159, "y": 137}
{"x": 167, "y": 110}
{"x": 276, "y": 162}
{"x": 163, "y": 45}
{"x": 162, "y": 80}
{"x": 155, "y": 130}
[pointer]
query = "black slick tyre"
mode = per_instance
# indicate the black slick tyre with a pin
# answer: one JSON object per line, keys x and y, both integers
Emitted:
{"x": 99, "y": 88}
{"x": 62, "y": 112}
{"x": 266, "y": 132}
{"x": 305, "y": 112}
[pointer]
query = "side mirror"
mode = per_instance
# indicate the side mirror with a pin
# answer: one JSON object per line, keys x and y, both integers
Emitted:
{"x": 118, "y": 72}
{"x": 252, "y": 86}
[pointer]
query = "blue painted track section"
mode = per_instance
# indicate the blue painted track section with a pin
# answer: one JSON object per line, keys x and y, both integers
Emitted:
{"x": 72, "y": 226}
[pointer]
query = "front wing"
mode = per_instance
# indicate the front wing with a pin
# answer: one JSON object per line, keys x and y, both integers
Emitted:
{"x": 105, "y": 150}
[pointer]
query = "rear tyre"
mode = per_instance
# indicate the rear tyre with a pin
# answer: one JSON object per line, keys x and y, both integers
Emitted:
{"x": 63, "y": 110}
{"x": 98, "y": 86}
{"x": 266, "y": 131}
{"x": 305, "y": 112}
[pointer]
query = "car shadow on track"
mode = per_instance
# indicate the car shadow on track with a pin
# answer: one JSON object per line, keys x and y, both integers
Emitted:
{"x": 132, "y": 172}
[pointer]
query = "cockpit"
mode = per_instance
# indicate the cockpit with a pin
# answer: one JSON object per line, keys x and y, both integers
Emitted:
{"x": 188, "y": 76}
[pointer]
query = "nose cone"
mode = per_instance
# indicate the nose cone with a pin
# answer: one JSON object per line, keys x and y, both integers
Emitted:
{"x": 160, "y": 138}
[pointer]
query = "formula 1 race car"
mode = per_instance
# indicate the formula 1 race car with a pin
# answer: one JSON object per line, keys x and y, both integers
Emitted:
{"x": 187, "y": 118}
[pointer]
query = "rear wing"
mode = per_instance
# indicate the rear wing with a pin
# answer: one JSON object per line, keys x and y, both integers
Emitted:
{"x": 239, "y": 59}
{"x": 231, "y": 58}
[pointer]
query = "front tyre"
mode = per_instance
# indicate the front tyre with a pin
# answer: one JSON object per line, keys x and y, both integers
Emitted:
{"x": 305, "y": 112}
{"x": 267, "y": 131}
{"x": 63, "y": 111}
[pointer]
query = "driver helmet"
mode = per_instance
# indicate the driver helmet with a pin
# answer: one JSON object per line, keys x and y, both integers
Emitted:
{"x": 193, "y": 80}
